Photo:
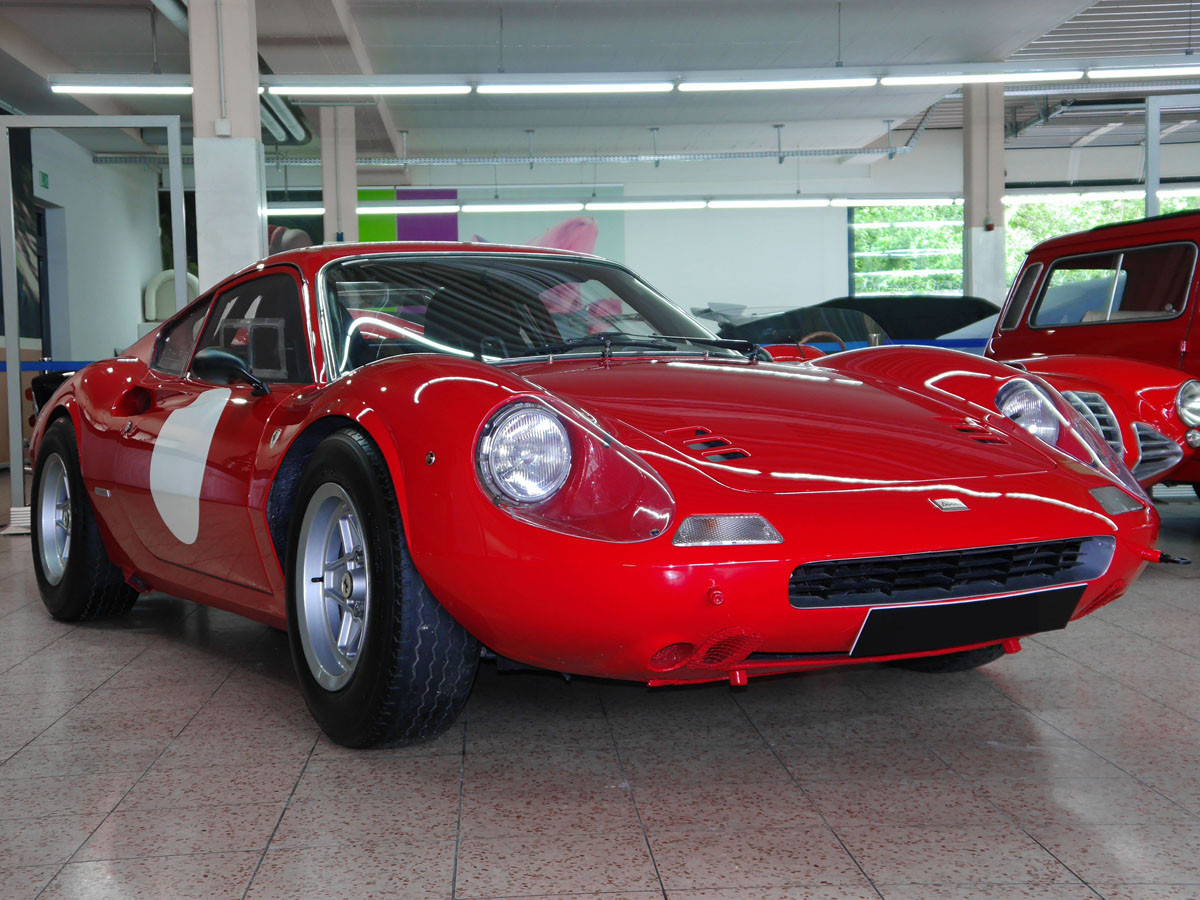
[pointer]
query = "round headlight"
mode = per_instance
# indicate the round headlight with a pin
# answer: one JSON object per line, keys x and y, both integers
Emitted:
{"x": 1187, "y": 402}
{"x": 1029, "y": 408}
{"x": 525, "y": 453}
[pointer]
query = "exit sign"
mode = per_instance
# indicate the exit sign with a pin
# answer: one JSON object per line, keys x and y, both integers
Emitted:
{"x": 44, "y": 179}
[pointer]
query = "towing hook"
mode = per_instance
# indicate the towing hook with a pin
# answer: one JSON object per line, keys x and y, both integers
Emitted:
{"x": 1157, "y": 556}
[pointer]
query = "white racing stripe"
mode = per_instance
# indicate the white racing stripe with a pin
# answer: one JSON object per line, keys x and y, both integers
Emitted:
{"x": 179, "y": 459}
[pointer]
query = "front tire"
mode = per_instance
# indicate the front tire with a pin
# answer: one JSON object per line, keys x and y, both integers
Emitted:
{"x": 963, "y": 661}
{"x": 380, "y": 662}
{"x": 76, "y": 578}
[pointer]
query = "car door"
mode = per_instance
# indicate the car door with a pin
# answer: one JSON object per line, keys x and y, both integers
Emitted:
{"x": 191, "y": 451}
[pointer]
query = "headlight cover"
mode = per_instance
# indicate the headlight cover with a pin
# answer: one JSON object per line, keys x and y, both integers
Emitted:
{"x": 1071, "y": 434}
{"x": 1187, "y": 403}
{"x": 547, "y": 464}
{"x": 525, "y": 453}
{"x": 1021, "y": 401}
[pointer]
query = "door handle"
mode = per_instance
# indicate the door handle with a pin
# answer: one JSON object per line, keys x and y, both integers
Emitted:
{"x": 128, "y": 428}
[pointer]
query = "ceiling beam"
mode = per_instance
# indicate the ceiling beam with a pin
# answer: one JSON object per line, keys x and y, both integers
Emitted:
{"x": 359, "y": 49}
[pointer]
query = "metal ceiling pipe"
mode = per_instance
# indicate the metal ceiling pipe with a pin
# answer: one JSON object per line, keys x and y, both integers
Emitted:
{"x": 174, "y": 11}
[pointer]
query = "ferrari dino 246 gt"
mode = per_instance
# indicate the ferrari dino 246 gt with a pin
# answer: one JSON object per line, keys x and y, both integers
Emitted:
{"x": 401, "y": 453}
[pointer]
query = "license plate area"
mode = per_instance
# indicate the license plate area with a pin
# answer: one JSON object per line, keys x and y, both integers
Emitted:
{"x": 895, "y": 630}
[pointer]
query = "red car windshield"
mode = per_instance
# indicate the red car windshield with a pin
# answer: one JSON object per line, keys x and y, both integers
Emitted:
{"x": 497, "y": 307}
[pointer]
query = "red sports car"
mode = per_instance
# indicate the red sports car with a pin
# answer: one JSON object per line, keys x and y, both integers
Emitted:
{"x": 402, "y": 452}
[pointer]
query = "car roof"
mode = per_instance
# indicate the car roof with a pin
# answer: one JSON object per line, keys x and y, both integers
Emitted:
{"x": 312, "y": 258}
{"x": 1171, "y": 225}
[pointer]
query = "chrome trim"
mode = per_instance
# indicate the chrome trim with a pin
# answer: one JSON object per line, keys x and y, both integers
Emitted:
{"x": 1157, "y": 453}
{"x": 1097, "y": 413}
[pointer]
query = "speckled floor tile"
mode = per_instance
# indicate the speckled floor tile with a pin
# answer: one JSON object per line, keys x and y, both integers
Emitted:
{"x": 986, "y": 892}
{"x": 915, "y": 801}
{"x": 407, "y": 871}
{"x": 221, "y": 785}
{"x": 686, "y": 766}
{"x": 25, "y": 882}
{"x": 752, "y": 858}
{"x": 794, "y": 892}
{"x": 59, "y": 795}
{"x": 513, "y": 811}
{"x": 725, "y": 805}
{"x": 82, "y": 759}
{"x": 1006, "y": 757}
{"x": 560, "y": 770}
{"x": 166, "y": 832}
{"x": 1126, "y": 853}
{"x": 388, "y": 820}
{"x": 1148, "y": 891}
{"x": 204, "y": 876}
{"x": 1085, "y": 801}
{"x": 822, "y": 762}
{"x": 495, "y": 867}
{"x": 44, "y": 841}
{"x": 426, "y": 777}
{"x": 938, "y": 854}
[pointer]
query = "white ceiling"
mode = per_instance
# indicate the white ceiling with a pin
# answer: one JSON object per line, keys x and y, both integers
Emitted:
{"x": 463, "y": 38}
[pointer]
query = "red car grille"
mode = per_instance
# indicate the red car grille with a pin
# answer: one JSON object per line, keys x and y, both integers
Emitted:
{"x": 978, "y": 571}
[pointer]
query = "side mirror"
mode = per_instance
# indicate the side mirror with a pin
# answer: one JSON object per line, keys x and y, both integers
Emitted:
{"x": 212, "y": 364}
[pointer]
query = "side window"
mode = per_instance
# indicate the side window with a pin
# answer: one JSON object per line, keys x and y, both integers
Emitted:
{"x": 261, "y": 322}
{"x": 174, "y": 348}
{"x": 1141, "y": 283}
{"x": 1020, "y": 297}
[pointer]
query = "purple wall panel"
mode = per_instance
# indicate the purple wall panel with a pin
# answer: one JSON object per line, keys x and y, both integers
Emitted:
{"x": 435, "y": 227}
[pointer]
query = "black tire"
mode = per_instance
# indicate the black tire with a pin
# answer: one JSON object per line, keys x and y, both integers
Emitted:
{"x": 414, "y": 664}
{"x": 86, "y": 585}
{"x": 963, "y": 661}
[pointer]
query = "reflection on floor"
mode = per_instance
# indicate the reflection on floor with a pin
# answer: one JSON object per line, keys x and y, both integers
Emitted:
{"x": 169, "y": 755}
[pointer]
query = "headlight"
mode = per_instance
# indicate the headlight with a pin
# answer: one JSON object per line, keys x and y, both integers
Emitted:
{"x": 525, "y": 453}
{"x": 1187, "y": 402}
{"x": 1020, "y": 401}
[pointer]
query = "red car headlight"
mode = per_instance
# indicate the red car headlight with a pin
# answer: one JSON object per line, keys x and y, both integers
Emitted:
{"x": 545, "y": 464}
{"x": 1042, "y": 411}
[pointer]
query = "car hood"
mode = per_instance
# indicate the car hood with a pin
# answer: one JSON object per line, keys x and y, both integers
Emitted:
{"x": 785, "y": 428}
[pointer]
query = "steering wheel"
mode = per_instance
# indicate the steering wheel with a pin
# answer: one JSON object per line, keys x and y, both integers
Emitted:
{"x": 816, "y": 334}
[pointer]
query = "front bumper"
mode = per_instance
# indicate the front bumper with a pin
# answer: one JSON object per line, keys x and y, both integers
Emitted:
{"x": 610, "y": 610}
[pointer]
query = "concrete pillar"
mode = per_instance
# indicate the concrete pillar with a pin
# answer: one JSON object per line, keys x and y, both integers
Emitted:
{"x": 339, "y": 173}
{"x": 983, "y": 188}
{"x": 231, "y": 201}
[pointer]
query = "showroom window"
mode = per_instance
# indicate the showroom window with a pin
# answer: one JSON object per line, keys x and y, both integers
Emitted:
{"x": 906, "y": 249}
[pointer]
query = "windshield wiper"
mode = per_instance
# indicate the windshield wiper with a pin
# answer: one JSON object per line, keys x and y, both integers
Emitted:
{"x": 605, "y": 339}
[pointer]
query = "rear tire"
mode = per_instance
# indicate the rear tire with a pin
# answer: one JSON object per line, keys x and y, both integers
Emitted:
{"x": 380, "y": 662}
{"x": 76, "y": 578}
{"x": 963, "y": 661}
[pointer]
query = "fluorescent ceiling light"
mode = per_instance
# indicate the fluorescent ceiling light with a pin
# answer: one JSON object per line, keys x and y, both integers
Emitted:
{"x": 295, "y": 210}
{"x": 1149, "y": 72}
{"x": 604, "y": 205}
{"x": 786, "y": 203}
{"x": 980, "y": 78}
{"x": 369, "y": 90}
{"x": 894, "y": 201}
{"x": 797, "y": 85}
{"x": 123, "y": 89}
{"x": 412, "y": 209}
{"x": 521, "y": 207}
{"x": 636, "y": 87}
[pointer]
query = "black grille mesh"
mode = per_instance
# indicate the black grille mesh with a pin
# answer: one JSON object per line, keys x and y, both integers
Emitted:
{"x": 939, "y": 576}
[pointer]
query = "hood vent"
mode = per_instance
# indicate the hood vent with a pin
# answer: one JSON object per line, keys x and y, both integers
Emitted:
{"x": 976, "y": 431}
{"x": 702, "y": 442}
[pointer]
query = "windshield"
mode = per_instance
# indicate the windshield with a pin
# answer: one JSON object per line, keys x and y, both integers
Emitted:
{"x": 497, "y": 308}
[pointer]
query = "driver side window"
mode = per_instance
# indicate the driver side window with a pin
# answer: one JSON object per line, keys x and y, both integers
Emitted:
{"x": 261, "y": 322}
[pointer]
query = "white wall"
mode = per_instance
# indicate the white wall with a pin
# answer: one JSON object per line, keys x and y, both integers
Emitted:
{"x": 760, "y": 258}
{"x": 110, "y": 214}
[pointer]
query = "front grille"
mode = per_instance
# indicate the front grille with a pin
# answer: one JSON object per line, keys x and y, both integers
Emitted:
{"x": 1097, "y": 413}
{"x": 1158, "y": 453}
{"x": 975, "y": 572}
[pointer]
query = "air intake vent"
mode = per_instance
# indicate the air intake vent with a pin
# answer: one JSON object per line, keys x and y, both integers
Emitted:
{"x": 726, "y": 647}
{"x": 949, "y": 575}
{"x": 1156, "y": 452}
{"x": 977, "y": 431}
{"x": 726, "y": 455}
{"x": 1099, "y": 415}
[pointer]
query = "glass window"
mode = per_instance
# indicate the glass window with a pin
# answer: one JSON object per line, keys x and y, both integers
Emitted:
{"x": 1020, "y": 297}
{"x": 1141, "y": 283}
{"x": 261, "y": 323}
{"x": 492, "y": 306}
{"x": 174, "y": 348}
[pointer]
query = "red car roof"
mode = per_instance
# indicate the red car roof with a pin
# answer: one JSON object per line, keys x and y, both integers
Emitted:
{"x": 1168, "y": 225}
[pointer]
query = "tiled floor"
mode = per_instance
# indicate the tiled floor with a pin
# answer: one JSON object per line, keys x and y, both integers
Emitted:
{"x": 169, "y": 755}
